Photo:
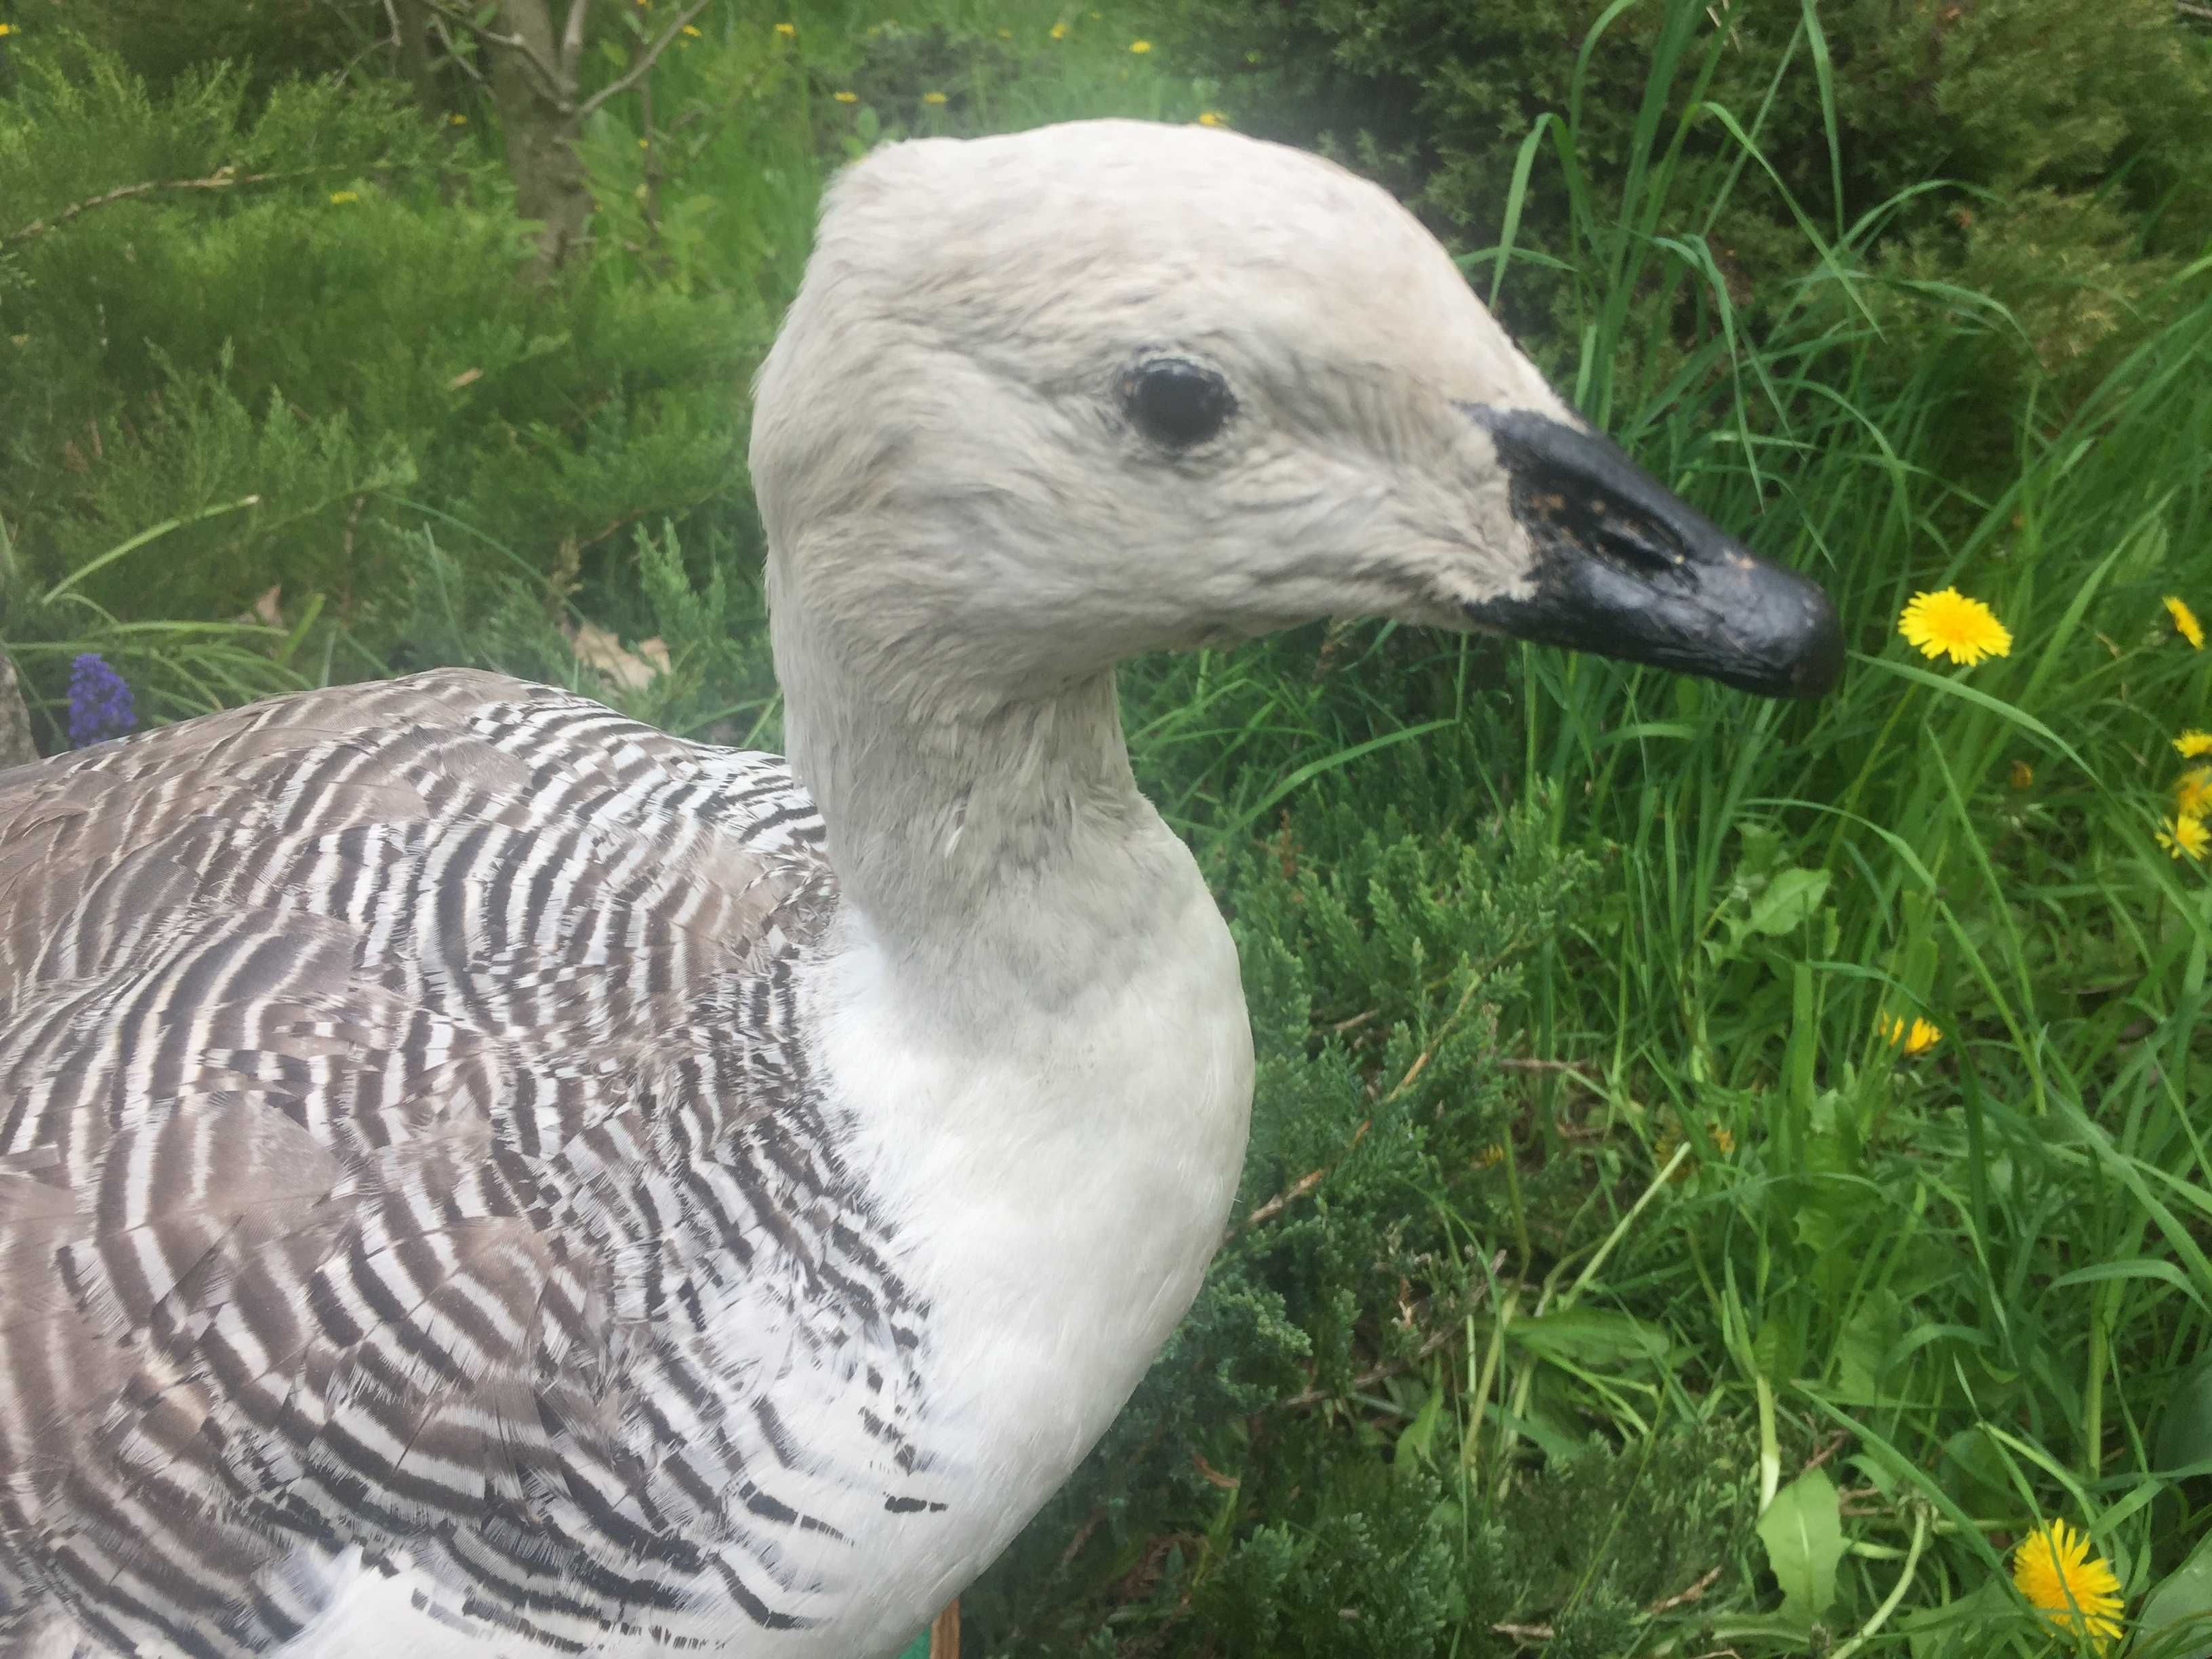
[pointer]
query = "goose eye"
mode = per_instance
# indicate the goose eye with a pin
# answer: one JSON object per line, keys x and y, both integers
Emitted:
{"x": 1177, "y": 404}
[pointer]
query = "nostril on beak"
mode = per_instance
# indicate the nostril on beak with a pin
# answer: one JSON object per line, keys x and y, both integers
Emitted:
{"x": 1625, "y": 568}
{"x": 1649, "y": 545}
{"x": 1641, "y": 543}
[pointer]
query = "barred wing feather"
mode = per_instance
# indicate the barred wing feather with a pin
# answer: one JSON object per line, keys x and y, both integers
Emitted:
{"x": 405, "y": 1148}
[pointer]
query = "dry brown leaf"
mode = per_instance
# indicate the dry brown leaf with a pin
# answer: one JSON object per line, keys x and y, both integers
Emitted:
{"x": 631, "y": 670}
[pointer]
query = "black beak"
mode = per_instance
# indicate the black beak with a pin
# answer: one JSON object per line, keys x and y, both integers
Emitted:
{"x": 1625, "y": 570}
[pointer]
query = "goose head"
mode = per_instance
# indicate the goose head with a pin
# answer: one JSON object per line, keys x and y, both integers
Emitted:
{"x": 1050, "y": 399}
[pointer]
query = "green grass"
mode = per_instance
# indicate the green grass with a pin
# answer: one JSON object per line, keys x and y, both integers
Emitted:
{"x": 1903, "y": 1307}
{"x": 1968, "y": 1288}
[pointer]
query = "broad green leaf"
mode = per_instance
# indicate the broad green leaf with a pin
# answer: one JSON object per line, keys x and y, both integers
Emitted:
{"x": 1776, "y": 1351}
{"x": 2180, "y": 1608}
{"x": 1803, "y": 1532}
{"x": 2184, "y": 1429}
{"x": 1790, "y": 898}
{"x": 1590, "y": 1336}
{"x": 1861, "y": 1347}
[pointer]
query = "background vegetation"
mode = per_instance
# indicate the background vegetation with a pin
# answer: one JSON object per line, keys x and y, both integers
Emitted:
{"x": 1609, "y": 1279}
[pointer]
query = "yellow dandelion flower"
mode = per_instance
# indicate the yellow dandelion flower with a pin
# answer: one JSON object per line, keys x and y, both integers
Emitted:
{"x": 847, "y": 97}
{"x": 7, "y": 29}
{"x": 645, "y": 143}
{"x": 1916, "y": 1038}
{"x": 932, "y": 97}
{"x": 2022, "y": 776}
{"x": 1948, "y": 623}
{"x": 788, "y": 31}
{"x": 2073, "y": 1589}
{"x": 340, "y": 198}
{"x": 2192, "y": 791}
{"x": 1212, "y": 118}
{"x": 2184, "y": 621}
{"x": 1060, "y": 31}
{"x": 2185, "y": 837}
{"x": 2193, "y": 744}
{"x": 692, "y": 29}
{"x": 457, "y": 120}
{"x": 1140, "y": 47}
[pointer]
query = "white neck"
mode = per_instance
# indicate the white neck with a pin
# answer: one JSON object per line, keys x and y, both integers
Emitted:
{"x": 995, "y": 846}
{"x": 1029, "y": 1025}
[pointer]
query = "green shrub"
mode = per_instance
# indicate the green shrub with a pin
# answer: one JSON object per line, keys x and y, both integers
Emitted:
{"x": 269, "y": 39}
{"x": 334, "y": 327}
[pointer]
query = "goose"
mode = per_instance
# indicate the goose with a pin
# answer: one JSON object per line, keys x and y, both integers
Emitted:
{"x": 480, "y": 1177}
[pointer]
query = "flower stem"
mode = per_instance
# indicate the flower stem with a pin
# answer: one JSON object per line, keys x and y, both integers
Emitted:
{"x": 1880, "y": 1616}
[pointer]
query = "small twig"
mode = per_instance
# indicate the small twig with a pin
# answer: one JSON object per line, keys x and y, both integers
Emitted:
{"x": 1682, "y": 1598}
{"x": 1299, "y": 1188}
{"x": 547, "y": 75}
{"x": 618, "y": 525}
{"x": 643, "y": 65}
{"x": 454, "y": 55}
{"x": 1367, "y": 1379}
{"x": 1082, "y": 1537}
{"x": 649, "y": 206}
{"x": 1212, "y": 1476}
{"x": 221, "y": 179}
{"x": 1545, "y": 1633}
{"x": 1834, "y": 1443}
{"x": 1475, "y": 983}
{"x": 944, "y": 1632}
{"x": 572, "y": 39}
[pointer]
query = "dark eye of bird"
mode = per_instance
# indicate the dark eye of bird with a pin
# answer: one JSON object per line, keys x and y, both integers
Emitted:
{"x": 1177, "y": 404}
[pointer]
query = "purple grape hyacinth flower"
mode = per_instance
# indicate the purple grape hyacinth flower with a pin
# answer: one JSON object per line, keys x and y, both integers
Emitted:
{"x": 100, "y": 705}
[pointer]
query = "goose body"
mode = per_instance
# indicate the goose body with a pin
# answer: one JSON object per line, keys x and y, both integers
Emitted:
{"x": 421, "y": 1096}
{"x": 479, "y": 1176}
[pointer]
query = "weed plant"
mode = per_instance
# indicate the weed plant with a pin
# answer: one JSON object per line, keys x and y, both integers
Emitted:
{"x": 1618, "y": 1270}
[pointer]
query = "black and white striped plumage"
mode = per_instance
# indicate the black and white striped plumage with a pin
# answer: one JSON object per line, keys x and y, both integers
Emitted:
{"x": 400, "y": 1121}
